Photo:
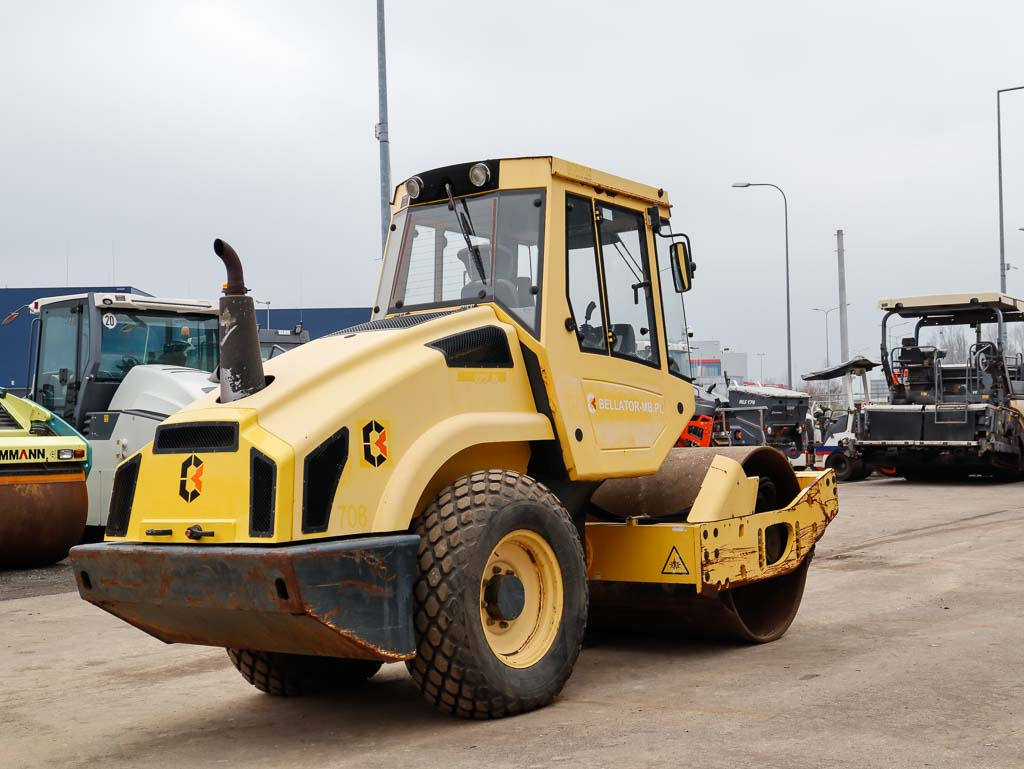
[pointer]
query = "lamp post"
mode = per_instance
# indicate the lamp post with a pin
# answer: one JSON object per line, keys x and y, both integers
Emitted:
{"x": 267, "y": 303}
{"x": 789, "y": 333}
{"x": 381, "y": 129}
{"x": 825, "y": 313}
{"x": 999, "y": 155}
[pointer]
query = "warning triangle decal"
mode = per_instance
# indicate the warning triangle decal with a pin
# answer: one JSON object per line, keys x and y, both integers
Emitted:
{"x": 674, "y": 563}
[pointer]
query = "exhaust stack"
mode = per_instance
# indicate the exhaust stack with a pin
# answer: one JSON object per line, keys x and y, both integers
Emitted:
{"x": 241, "y": 365}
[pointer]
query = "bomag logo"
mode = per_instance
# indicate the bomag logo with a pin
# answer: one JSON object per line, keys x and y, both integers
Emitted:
{"x": 375, "y": 443}
{"x": 19, "y": 455}
{"x": 190, "y": 485}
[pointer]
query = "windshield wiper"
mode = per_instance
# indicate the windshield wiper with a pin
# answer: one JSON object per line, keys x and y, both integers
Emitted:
{"x": 467, "y": 231}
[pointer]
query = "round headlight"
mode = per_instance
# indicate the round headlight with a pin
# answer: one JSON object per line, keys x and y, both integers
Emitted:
{"x": 479, "y": 174}
{"x": 414, "y": 187}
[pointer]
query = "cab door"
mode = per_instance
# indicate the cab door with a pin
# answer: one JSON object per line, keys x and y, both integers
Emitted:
{"x": 63, "y": 347}
{"x": 622, "y": 411}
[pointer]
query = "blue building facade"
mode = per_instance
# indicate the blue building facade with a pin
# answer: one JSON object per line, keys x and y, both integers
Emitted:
{"x": 318, "y": 321}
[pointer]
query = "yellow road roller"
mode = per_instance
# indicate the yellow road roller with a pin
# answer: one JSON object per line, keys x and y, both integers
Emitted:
{"x": 458, "y": 481}
{"x": 43, "y": 499}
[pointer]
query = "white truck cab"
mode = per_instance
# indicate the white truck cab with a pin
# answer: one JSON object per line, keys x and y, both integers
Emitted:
{"x": 115, "y": 365}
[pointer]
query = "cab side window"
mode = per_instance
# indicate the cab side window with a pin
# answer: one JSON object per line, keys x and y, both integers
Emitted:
{"x": 584, "y": 280}
{"x": 627, "y": 279}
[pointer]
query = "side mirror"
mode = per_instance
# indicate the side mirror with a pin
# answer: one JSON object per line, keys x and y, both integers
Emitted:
{"x": 63, "y": 376}
{"x": 682, "y": 267}
{"x": 9, "y": 319}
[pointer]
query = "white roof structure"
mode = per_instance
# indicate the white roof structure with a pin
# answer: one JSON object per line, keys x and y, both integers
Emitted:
{"x": 134, "y": 302}
{"x": 953, "y": 301}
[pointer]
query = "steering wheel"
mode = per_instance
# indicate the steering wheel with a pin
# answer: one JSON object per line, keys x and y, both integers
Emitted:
{"x": 591, "y": 336}
{"x": 128, "y": 362}
{"x": 984, "y": 357}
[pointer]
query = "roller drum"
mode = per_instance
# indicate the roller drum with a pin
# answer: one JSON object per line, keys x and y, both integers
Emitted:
{"x": 757, "y": 612}
{"x": 676, "y": 484}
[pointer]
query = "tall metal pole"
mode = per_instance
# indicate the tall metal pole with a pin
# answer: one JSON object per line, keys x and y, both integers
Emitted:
{"x": 789, "y": 330}
{"x": 381, "y": 130}
{"x": 844, "y": 339}
{"x": 999, "y": 155}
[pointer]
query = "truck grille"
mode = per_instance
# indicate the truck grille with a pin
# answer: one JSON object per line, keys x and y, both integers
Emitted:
{"x": 320, "y": 478}
{"x": 262, "y": 490}
{"x": 485, "y": 347}
{"x": 197, "y": 436}
{"x": 122, "y": 496}
{"x": 7, "y": 422}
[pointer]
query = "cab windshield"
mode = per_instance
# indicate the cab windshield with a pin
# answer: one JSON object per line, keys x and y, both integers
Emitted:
{"x": 129, "y": 338}
{"x": 429, "y": 264}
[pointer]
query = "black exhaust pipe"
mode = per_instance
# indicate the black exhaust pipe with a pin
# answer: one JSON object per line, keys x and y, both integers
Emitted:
{"x": 241, "y": 365}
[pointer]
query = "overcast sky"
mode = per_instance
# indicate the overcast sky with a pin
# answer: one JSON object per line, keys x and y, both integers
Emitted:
{"x": 133, "y": 134}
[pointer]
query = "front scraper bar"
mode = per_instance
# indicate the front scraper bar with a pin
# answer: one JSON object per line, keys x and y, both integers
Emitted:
{"x": 716, "y": 555}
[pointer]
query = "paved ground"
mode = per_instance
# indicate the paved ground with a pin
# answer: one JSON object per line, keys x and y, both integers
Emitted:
{"x": 908, "y": 652}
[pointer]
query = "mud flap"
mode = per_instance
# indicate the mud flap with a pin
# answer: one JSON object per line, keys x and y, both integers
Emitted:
{"x": 350, "y": 598}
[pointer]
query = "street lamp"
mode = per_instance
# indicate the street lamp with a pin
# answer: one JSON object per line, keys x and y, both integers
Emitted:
{"x": 267, "y": 303}
{"x": 789, "y": 334}
{"x": 826, "y": 312}
{"x": 999, "y": 155}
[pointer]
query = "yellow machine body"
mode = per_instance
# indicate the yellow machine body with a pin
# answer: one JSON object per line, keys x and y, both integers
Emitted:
{"x": 401, "y": 410}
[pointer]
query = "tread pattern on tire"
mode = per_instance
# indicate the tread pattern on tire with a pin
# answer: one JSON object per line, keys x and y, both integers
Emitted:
{"x": 442, "y": 669}
{"x": 291, "y": 675}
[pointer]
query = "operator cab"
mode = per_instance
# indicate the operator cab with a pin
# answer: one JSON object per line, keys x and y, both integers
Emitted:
{"x": 954, "y": 355}
{"x": 87, "y": 344}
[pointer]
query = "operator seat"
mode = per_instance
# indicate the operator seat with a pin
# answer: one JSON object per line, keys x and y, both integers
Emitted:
{"x": 504, "y": 290}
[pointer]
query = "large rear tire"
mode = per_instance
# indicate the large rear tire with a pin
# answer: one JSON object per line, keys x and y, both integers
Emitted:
{"x": 295, "y": 675}
{"x": 501, "y": 600}
{"x": 846, "y": 469}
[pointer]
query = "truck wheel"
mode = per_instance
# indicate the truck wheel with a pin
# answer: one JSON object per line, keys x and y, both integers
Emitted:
{"x": 501, "y": 599}
{"x": 846, "y": 469}
{"x": 293, "y": 675}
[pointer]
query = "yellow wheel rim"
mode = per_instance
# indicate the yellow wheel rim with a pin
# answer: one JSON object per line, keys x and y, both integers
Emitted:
{"x": 525, "y": 557}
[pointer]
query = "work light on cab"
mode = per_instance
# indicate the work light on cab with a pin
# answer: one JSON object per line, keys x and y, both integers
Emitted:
{"x": 414, "y": 187}
{"x": 479, "y": 174}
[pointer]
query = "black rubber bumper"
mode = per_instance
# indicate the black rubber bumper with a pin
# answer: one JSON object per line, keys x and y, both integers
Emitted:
{"x": 350, "y": 598}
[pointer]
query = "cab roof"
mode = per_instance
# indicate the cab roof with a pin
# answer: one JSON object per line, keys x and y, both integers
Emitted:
{"x": 458, "y": 176}
{"x": 915, "y": 306}
{"x": 124, "y": 301}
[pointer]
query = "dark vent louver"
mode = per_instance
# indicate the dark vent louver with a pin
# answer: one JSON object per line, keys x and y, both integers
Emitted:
{"x": 198, "y": 436}
{"x": 322, "y": 471}
{"x": 122, "y": 496}
{"x": 485, "y": 347}
{"x": 262, "y": 491}
{"x": 8, "y": 422}
{"x": 402, "y": 321}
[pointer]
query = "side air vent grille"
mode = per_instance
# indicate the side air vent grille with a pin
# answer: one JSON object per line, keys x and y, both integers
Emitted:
{"x": 262, "y": 492}
{"x": 7, "y": 422}
{"x": 402, "y": 321}
{"x": 485, "y": 347}
{"x": 320, "y": 478}
{"x": 122, "y": 496}
{"x": 198, "y": 436}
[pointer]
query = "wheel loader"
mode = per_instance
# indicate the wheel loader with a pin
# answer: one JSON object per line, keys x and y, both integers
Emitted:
{"x": 458, "y": 481}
